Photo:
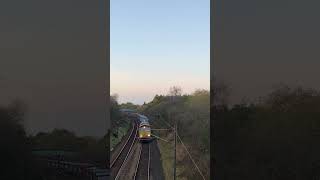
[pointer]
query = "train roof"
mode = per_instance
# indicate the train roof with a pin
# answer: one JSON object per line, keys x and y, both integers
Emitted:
{"x": 144, "y": 124}
{"x": 127, "y": 110}
{"x": 142, "y": 117}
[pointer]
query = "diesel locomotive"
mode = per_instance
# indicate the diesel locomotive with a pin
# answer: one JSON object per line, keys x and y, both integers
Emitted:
{"x": 144, "y": 129}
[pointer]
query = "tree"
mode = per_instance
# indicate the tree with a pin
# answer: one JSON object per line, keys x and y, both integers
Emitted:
{"x": 114, "y": 98}
{"x": 114, "y": 107}
{"x": 129, "y": 105}
{"x": 175, "y": 91}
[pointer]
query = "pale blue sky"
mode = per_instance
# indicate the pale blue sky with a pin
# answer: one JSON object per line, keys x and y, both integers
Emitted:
{"x": 156, "y": 44}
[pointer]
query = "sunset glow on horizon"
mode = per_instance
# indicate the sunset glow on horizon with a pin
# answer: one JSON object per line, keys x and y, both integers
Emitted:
{"x": 138, "y": 91}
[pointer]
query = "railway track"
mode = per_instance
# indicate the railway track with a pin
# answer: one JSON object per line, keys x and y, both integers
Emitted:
{"x": 119, "y": 160}
{"x": 143, "y": 166}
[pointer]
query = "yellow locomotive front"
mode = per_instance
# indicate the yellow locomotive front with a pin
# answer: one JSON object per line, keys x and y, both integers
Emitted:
{"x": 144, "y": 132}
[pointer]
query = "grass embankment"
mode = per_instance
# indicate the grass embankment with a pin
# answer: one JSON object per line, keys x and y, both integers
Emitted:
{"x": 167, "y": 156}
{"x": 119, "y": 133}
{"x": 166, "y": 151}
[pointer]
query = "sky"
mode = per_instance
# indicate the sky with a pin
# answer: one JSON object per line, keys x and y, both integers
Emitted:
{"x": 158, "y": 44}
{"x": 261, "y": 44}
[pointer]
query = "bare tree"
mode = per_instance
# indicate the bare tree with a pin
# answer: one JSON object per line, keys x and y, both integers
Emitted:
{"x": 114, "y": 110}
{"x": 175, "y": 91}
{"x": 114, "y": 97}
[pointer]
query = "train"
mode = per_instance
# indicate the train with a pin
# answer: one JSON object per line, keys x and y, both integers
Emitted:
{"x": 144, "y": 129}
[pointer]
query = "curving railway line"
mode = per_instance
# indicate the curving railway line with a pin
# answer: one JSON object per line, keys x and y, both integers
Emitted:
{"x": 118, "y": 162}
{"x": 132, "y": 159}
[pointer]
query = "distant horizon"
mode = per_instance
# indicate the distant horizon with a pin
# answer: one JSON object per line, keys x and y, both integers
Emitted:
{"x": 121, "y": 101}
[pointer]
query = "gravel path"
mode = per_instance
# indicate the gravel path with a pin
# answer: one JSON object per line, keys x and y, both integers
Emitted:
{"x": 156, "y": 164}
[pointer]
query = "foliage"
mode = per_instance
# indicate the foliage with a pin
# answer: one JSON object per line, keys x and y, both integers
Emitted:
{"x": 166, "y": 158}
{"x": 276, "y": 138}
{"x": 129, "y": 105}
{"x": 115, "y": 115}
{"x": 175, "y": 91}
{"x": 87, "y": 149}
{"x": 114, "y": 108}
{"x": 121, "y": 132}
{"x": 119, "y": 122}
{"x": 192, "y": 113}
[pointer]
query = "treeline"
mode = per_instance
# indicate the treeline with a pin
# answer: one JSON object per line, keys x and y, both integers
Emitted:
{"x": 192, "y": 115}
{"x": 129, "y": 105}
{"x": 18, "y": 148}
{"x": 276, "y": 138}
{"x": 83, "y": 149}
{"x": 120, "y": 123}
{"x": 117, "y": 118}
{"x": 115, "y": 115}
{"x": 114, "y": 109}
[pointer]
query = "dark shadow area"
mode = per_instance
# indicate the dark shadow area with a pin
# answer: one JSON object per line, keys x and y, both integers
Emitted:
{"x": 265, "y": 104}
{"x": 276, "y": 138}
{"x": 54, "y": 60}
{"x": 16, "y": 150}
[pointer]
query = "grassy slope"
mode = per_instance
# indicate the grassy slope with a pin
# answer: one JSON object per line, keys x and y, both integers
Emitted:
{"x": 166, "y": 151}
{"x": 122, "y": 131}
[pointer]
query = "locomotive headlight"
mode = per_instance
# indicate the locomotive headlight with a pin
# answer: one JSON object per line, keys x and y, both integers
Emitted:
{"x": 148, "y": 135}
{"x": 140, "y": 135}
